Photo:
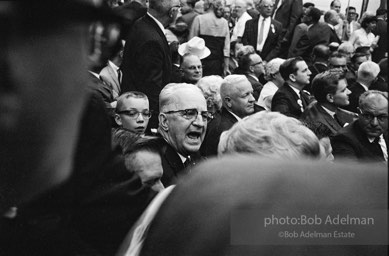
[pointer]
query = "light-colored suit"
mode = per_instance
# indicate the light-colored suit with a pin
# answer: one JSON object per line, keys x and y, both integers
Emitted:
{"x": 110, "y": 77}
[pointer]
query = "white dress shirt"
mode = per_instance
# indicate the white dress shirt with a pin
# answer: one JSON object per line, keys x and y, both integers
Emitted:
{"x": 265, "y": 31}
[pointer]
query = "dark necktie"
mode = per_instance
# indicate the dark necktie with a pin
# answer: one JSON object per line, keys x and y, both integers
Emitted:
{"x": 188, "y": 162}
{"x": 337, "y": 120}
{"x": 303, "y": 100}
{"x": 119, "y": 76}
{"x": 377, "y": 148}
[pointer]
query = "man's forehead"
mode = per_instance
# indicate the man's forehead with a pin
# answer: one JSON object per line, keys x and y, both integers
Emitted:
{"x": 301, "y": 65}
{"x": 192, "y": 60}
{"x": 376, "y": 103}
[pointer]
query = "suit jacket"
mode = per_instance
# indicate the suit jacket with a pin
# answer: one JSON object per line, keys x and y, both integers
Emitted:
{"x": 257, "y": 86}
{"x": 110, "y": 77}
{"x": 272, "y": 45}
{"x": 288, "y": 14}
{"x": 253, "y": 13}
{"x": 147, "y": 64}
{"x": 129, "y": 13}
{"x": 334, "y": 37}
{"x": 221, "y": 207}
{"x": 172, "y": 165}
{"x": 316, "y": 115}
{"x": 351, "y": 142}
{"x": 222, "y": 121}
{"x": 356, "y": 91}
{"x": 103, "y": 89}
{"x": 299, "y": 31}
{"x": 285, "y": 101}
{"x": 381, "y": 30}
{"x": 318, "y": 33}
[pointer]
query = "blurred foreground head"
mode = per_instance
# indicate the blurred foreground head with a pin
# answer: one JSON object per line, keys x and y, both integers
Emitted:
{"x": 199, "y": 221}
{"x": 270, "y": 134}
{"x": 43, "y": 60}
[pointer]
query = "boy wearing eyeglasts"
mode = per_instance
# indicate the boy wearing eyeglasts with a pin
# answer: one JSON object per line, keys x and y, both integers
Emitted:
{"x": 133, "y": 112}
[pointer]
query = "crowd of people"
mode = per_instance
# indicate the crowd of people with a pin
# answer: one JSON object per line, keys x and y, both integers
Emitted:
{"x": 116, "y": 114}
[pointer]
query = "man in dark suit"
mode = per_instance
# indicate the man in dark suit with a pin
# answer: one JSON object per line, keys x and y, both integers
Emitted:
{"x": 264, "y": 33}
{"x": 366, "y": 139}
{"x": 290, "y": 99}
{"x": 381, "y": 30}
{"x": 330, "y": 91}
{"x": 147, "y": 64}
{"x": 318, "y": 33}
{"x": 288, "y": 13}
{"x": 367, "y": 73}
{"x": 320, "y": 55}
{"x": 251, "y": 65}
{"x": 182, "y": 124}
{"x": 331, "y": 17}
{"x": 237, "y": 102}
{"x": 222, "y": 208}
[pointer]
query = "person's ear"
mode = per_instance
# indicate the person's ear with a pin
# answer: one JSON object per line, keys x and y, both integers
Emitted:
{"x": 292, "y": 77}
{"x": 228, "y": 102}
{"x": 118, "y": 120}
{"x": 330, "y": 97}
{"x": 163, "y": 122}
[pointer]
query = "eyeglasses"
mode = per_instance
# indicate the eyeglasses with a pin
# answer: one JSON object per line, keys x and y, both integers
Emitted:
{"x": 352, "y": 13}
{"x": 370, "y": 117}
{"x": 133, "y": 114}
{"x": 191, "y": 114}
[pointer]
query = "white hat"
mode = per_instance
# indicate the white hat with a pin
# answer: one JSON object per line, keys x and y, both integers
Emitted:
{"x": 195, "y": 46}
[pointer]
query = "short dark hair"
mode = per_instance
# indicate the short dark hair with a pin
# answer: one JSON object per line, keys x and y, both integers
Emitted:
{"x": 367, "y": 20}
{"x": 321, "y": 51}
{"x": 333, "y": 2}
{"x": 357, "y": 55}
{"x": 315, "y": 14}
{"x": 350, "y": 8}
{"x": 381, "y": 11}
{"x": 308, "y": 4}
{"x": 289, "y": 67}
{"x": 146, "y": 143}
{"x": 325, "y": 83}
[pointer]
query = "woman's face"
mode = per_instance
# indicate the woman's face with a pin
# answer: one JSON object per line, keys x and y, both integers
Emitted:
{"x": 372, "y": 25}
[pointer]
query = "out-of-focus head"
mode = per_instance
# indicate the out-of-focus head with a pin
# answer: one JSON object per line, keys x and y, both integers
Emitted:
{"x": 383, "y": 64}
{"x": 368, "y": 21}
{"x": 43, "y": 64}
{"x": 373, "y": 108}
{"x": 331, "y": 17}
{"x": 331, "y": 87}
{"x": 265, "y": 8}
{"x": 307, "y": 5}
{"x": 351, "y": 13}
{"x": 357, "y": 59}
{"x": 296, "y": 72}
{"x": 165, "y": 11}
{"x": 336, "y": 5}
{"x": 199, "y": 7}
{"x": 347, "y": 49}
{"x": 337, "y": 60}
{"x": 321, "y": 53}
{"x": 187, "y": 6}
{"x": 227, "y": 12}
{"x": 133, "y": 112}
{"x": 240, "y": 7}
{"x": 191, "y": 68}
{"x": 314, "y": 14}
{"x": 210, "y": 86}
{"x": 217, "y": 7}
{"x": 272, "y": 70}
{"x": 143, "y": 157}
{"x": 271, "y": 134}
{"x": 368, "y": 72}
{"x": 237, "y": 95}
{"x": 183, "y": 117}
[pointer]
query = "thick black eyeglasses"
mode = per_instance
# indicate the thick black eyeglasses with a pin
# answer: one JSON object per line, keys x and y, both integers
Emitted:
{"x": 191, "y": 114}
{"x": 370, "y": 117}
{"x": 133, "y": 114}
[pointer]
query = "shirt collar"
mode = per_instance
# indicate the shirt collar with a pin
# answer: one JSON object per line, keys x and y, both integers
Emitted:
{"x": 253, "y": 76}
{"x": 331, "y": 26}
{"x": 113, "y": 65}
{"x": 381, "y": 137}
{"x": 95, "y": 74}
{"x": 364, "y": 86}
{"x": 295, "y": 90}
{"x": 331, "y": 113}
{"x": 158, "y": 23}
{"x": 237, "y": 117}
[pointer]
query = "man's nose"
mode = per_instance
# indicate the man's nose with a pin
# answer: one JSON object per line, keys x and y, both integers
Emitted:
{"x": 140, "y": 118}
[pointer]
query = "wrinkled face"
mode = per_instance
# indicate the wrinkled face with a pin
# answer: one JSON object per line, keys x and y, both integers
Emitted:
{"x": 240, "y": 7}
{"x": 302, "y": 74}
{"x": 191, "y": 69}
{"x": 265, "y": 8}
{"x": 336, "y": 6}
{"x": 340, "y": 98}
{"x": 373, "y": 118}
{"x": 134, "y": 115}
{"x": 148, "y": 166}
{"x": 241, "y": 101}
{"x": 256, "y": 65}
{"x": 185, "y": 134}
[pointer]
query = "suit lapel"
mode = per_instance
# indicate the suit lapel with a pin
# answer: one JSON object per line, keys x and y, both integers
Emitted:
{"x": 328, "y": 120}
{"x": 255, "y": 33}
{"x": 114, "y": 76}
{"x": 152, "y": 22}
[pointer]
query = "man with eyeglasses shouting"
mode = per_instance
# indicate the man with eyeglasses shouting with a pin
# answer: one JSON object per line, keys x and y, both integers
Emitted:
{"x": 366, "y": 139}
{"x": 183, "y": 121}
